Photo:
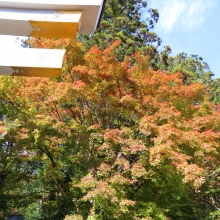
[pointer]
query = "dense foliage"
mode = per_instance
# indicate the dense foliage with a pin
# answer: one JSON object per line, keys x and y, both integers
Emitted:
{"x": 115, "y": 137}
{"x": 108, "y": 140}
{"x": 130, "y": 22}
{"x": 194, "y": 69}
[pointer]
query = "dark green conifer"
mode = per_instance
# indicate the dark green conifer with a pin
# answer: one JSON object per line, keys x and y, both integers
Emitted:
{"x": 129, "y": 21}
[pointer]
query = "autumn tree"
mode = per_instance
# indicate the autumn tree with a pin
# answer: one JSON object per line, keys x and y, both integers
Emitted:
{"x": 107, "y": 140}
{"x": 133, "y": 24}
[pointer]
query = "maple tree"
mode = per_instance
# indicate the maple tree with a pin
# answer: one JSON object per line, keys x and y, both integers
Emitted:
{"x": 107, "y": 140}
{"x": 133, "y": 23}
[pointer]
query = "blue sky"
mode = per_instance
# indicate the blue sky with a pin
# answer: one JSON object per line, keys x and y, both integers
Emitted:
{"x": 191, "y": 26}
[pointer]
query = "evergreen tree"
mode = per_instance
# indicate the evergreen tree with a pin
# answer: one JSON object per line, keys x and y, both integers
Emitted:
{"x": 193, "y": 69}
{"x": 214, "y": 89}
{"x": 130, "y": 22}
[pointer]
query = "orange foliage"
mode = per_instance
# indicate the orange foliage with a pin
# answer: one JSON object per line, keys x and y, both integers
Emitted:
{"x": 101, "y": 89}
{"x": 136, "y": 119}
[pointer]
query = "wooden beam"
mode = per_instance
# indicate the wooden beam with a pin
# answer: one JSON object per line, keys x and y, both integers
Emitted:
{"x": 31, "y": 62}
{"x": 91, "y": 9}
{"x": 40, "y": 23}
{"x": 43, "y": 18}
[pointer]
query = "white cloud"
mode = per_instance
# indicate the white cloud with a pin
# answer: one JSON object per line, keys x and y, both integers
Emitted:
{"x": 182, "y": 15}
{"x": 171, "y": 14}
